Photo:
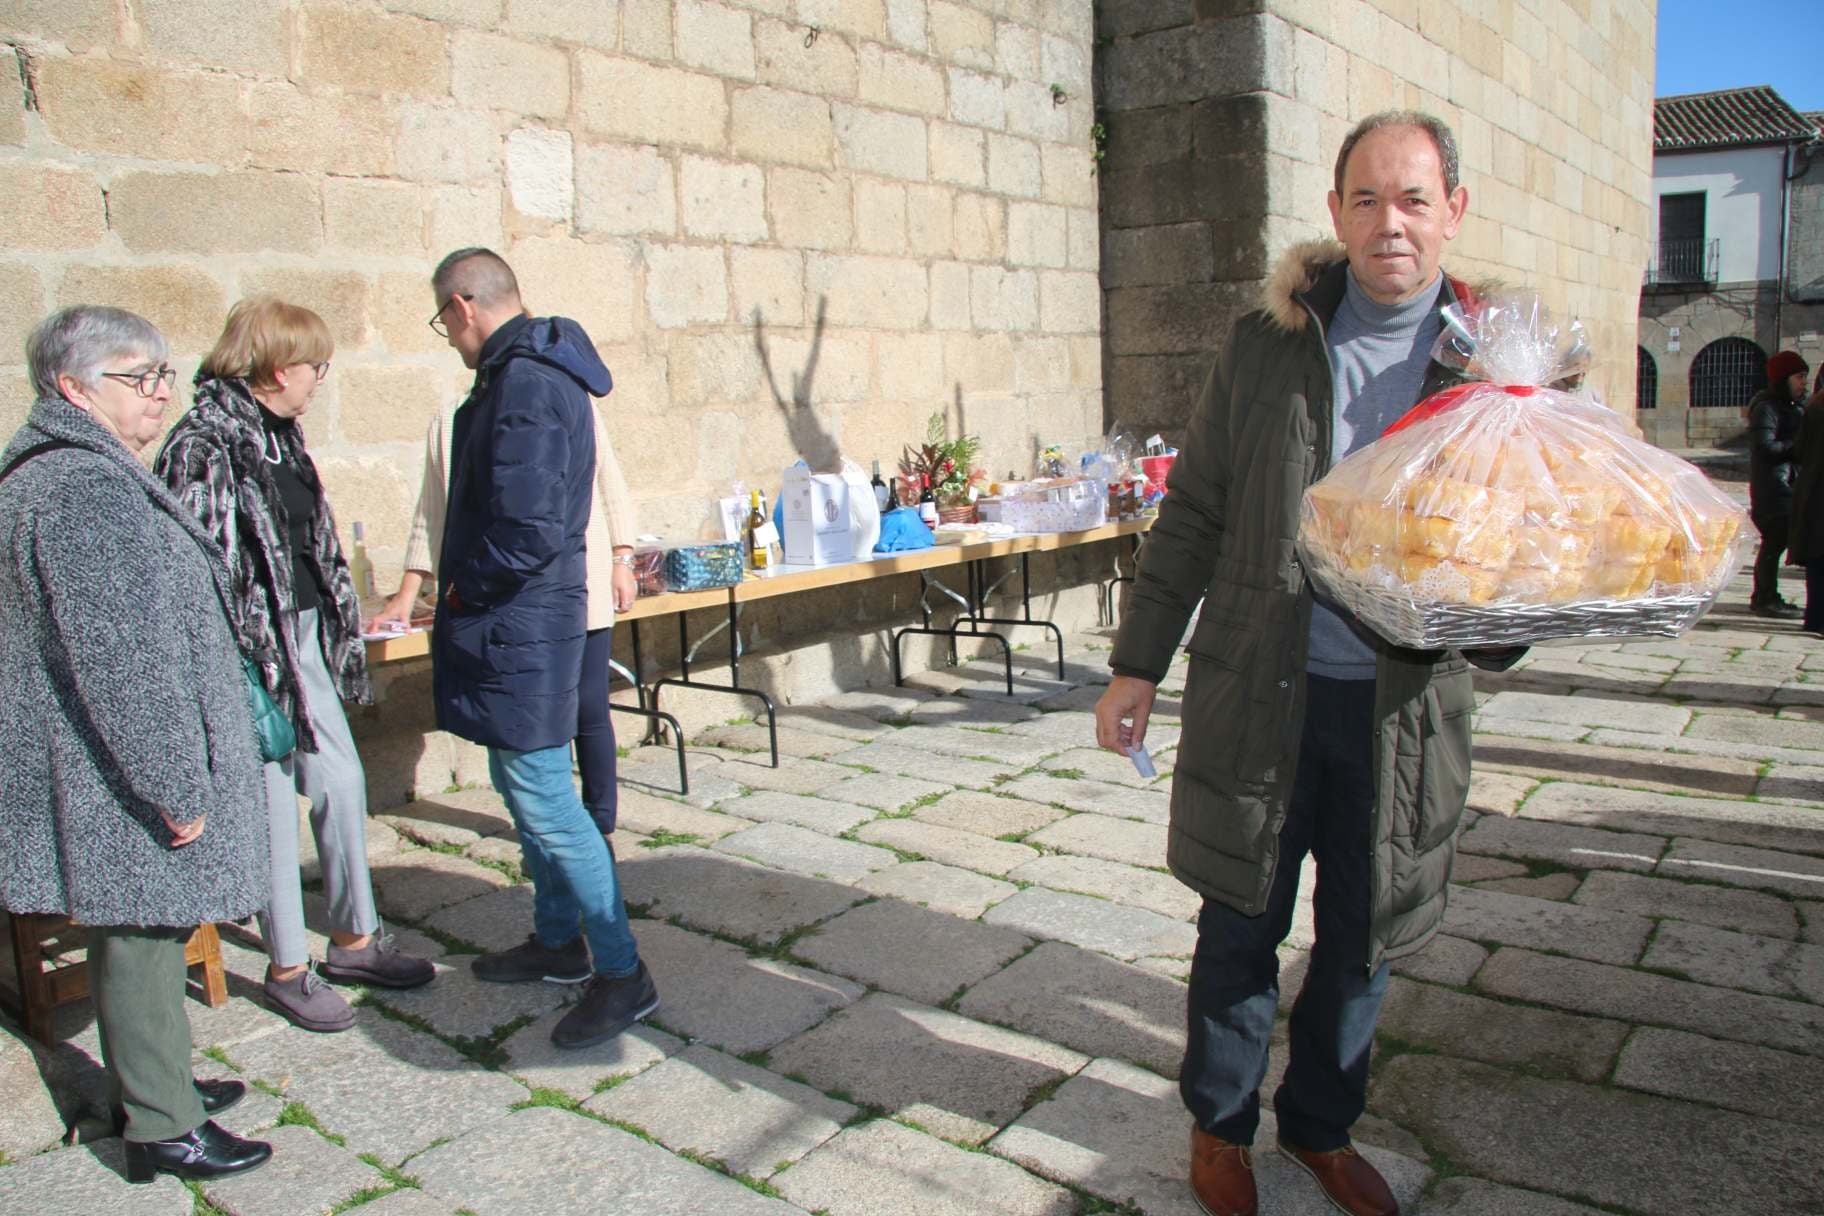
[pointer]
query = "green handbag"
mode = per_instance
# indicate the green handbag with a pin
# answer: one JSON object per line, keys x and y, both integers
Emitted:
{"x": 271, "y": 728}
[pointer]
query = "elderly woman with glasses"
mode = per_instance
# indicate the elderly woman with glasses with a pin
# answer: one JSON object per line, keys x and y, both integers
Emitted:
{"x": 130, "y": 794}
{"x": 237, "y": 460}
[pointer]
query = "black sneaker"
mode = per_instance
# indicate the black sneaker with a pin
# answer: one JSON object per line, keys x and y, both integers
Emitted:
{"x": 609, "y": 1006}
{"x": 1779, "y": 610}
{"x": 533, "y": 960}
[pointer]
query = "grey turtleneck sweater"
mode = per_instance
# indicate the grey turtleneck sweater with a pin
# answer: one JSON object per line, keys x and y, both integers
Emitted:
{"x": 1378, "y": 356}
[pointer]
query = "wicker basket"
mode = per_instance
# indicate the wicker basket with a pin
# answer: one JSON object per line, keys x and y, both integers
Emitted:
{"x": 964, "y": 514}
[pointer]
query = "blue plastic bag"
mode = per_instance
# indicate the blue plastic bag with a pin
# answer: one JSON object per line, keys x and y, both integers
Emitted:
{"x": 902, "y": 531}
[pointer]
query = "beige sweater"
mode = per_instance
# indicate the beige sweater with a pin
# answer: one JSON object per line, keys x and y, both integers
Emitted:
{"x": 611, "y": 523}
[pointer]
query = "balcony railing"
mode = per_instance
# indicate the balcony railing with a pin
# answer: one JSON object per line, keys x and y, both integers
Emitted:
{"x": 1684, "y": 263}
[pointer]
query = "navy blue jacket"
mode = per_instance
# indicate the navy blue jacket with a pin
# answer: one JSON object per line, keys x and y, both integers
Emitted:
{"x": 507, "y": 658}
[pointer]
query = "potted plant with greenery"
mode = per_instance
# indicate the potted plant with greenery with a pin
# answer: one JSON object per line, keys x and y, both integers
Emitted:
{"x": 949, "y": 466}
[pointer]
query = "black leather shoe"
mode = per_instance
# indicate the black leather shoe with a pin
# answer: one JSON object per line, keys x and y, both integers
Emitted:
{"x": 608, "y": 1006}
{"x": 207, "y": 1152}
{"x": 217, "y": 1097}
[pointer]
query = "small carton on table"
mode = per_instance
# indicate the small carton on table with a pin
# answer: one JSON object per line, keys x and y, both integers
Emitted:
{"x": 819, "y": 530}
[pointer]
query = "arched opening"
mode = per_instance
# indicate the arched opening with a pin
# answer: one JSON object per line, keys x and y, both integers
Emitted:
{"x": 1727, "y": 373}
{"x": 1646, "y": 380}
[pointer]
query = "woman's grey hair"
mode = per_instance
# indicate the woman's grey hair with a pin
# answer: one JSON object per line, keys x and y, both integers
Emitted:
{"x": 79, "y": 342}
{"x": 1437, "y": 128}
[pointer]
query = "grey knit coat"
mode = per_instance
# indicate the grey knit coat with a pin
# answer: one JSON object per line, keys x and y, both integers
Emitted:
{"x": 121, "y": 695}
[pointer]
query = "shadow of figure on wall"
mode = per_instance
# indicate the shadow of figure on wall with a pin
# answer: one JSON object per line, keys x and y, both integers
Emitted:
{"x": 809, "y": 437}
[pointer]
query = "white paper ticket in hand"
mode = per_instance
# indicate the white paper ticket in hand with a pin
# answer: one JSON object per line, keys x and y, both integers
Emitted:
{"x": 1143, "y": 763}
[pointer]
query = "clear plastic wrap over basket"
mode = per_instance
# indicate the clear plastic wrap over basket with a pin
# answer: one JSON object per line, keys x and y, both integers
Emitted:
{"x": 1505, "y": 511}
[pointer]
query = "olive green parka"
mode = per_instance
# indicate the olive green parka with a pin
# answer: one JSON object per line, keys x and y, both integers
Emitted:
{"x": 1226, "y": 534}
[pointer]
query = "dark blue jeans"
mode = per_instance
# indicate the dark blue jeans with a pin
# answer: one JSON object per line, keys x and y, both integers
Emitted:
{"x": 595, "y": 731}
{"x": 1234, "y": 988}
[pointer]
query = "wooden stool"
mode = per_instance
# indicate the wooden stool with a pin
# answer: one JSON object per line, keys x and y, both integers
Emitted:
{"x": 41, "y": 985}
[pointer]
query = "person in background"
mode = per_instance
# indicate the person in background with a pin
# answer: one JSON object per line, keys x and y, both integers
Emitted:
{"x": 512, "y": 615}
{"x": 237, "y": 461}
{"x": 130, "y": 795}
{"x": 1773, "y": 433}
{"x": 1805, "y": 537}
{"x": 608, "y": 551}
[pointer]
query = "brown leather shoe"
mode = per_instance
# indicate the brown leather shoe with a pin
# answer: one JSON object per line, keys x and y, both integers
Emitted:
{"x": 1347, "y": 1179}
{"x": 1222, "y": 1176}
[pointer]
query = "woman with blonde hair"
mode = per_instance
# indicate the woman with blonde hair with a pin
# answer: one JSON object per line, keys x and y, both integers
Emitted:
{"x": 237, "y": 460}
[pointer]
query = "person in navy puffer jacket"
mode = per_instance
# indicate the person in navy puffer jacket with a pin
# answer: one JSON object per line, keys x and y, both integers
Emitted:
{"x": 512, "y": 607}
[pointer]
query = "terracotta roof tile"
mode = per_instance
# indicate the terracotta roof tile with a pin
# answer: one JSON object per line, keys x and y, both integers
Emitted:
{"x": 1728, "y": 118}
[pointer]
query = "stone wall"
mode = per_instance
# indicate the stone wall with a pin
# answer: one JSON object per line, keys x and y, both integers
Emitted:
{"x": 1223, "y": 118}
{"x": 1729, "y": 310}
{"x": 794, "y": 228}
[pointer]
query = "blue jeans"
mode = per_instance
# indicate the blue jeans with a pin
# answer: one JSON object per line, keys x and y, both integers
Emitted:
{"x": 595, "y": 754}
{"x": 572, "y": 872}
{"x": 1234, "y": 987}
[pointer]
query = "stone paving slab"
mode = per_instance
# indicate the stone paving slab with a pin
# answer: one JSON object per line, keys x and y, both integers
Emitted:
{"x": 654, "y": 771}
{"x": 1003, "y": 745}
{"x": 795, "y": 775}
{"x": 883, "y": 1169}
{"x": 951, "y": 846}
{"x": 953, "y": 1076}
{"x": 1702, "y": 686}
{"x": 802, "y": 851}
{"x": 1121, "y": 1134}
{"x": 88, "y": 1178}
{"x": 1123, "y": 884}
{"x": 1739, "y": 960}
{"x": 1748, "y": 911}
{"x": 1763, "y": 825}
{"x": 1510, "y": 730}
{"x": 1062, "y": 730}
{"x": 1641, "y": 997}
{"x": 1779, "y": 732}
{"x": 1088, "y": 1002}
{"x": 649, "y": 814}
{"x": 1588, "y": 712}
{"x": 1476, "y": 1197}
{"x": 1098, "y": 764}
{"x": 495, "y": 921}
{"x": 1515, "y": 1036}
{"x": 1545, "y": 886}
{"x": 307, "y": 1176}
{"x": 1763, "y": 869}
{"x": 1811, "y": 913}
{"x": 578, "y": 1072}
{"x": 991, "y": 815}
{"x": 892, "y": 756}
{"x": 1126, "y": 933}
{"x": 932, "y": 955}
{"x": 1121, "y": 802}
{"x": 706, "y": 1102}
{"x": 1605, "y": 1144}
{"x": 1518, "y": 920}
{"x": 557, "y": 1163}
{"x": 1668, "y": 771}
{"x": 1757, "y": 1080}
{"x": 389, "y": 1089}
{"x": 724, "y": 894}
{"x": 1567, "y": 844}
{"x": 1686, "y": 745}
{"x": 719, "y": 994}
{"x": 413, "y": 883}
{"x": 1793, "y": 783}
{"x": 1443, "y": 960}
{"x": 975, "y": 707}
{"x": 405, "y": 1202}
{"x": 1498, "y": 793}
{"x": 929, "y": 884}
{"x": 1124, "y": 840}
{"x": 459, "y": 1006}
{"x": 827, "y": 719}
{"x": 818, "y": 814}
{"x": 793, "y": 741}
{"x": 884, "y": 791}
{"x": 879, "y": 704}
{"x": 1474, "y": 867}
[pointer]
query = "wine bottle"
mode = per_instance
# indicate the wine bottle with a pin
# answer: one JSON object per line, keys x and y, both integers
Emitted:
{"x": 880, "y": 490}
{"x": 927, "y": 503}
{"x": 360, "y": 567}
{"x": 759, "y": 552}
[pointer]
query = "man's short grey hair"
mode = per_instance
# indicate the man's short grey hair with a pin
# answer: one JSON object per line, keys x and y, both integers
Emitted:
{"x": 1437, "y": 128}
{"x": 80, "y": 342}
{"x": 480, "y": 274}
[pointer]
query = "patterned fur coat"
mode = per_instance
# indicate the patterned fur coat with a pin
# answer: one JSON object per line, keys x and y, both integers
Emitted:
{"x": 214, "y": 461}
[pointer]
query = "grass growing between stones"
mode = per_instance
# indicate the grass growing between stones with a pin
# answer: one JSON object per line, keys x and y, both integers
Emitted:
{"x": 296, "y": 1114}
{"x": 215, "y": 1052}
{"x": 449, "y": 941}
{"x": 199, "y": 1206}
{"x": 759, "y": 1185}
{"x": 485, "y": 1050}
{"x": 664, "y": 837}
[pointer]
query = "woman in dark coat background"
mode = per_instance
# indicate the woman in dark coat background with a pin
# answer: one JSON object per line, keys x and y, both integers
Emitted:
{"x": 130, "y": 792}
{"x": 1805, "y": 540}
{"x": 1773, "y": 433}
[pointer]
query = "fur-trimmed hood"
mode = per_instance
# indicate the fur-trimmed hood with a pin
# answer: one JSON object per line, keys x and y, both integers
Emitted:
{"x": 1301, "y": 266}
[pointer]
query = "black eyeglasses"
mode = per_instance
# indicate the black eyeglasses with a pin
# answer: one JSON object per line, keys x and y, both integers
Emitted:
{"x": 436, "y": 321}
{"x": 146, "y": 382}
{"x": 322, "y": 369}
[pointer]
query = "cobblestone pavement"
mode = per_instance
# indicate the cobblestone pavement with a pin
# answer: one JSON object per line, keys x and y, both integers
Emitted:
{"x": 931, "y": 964}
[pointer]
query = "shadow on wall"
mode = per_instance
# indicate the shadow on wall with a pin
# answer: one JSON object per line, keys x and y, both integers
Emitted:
{"x": 809, "y": 437}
